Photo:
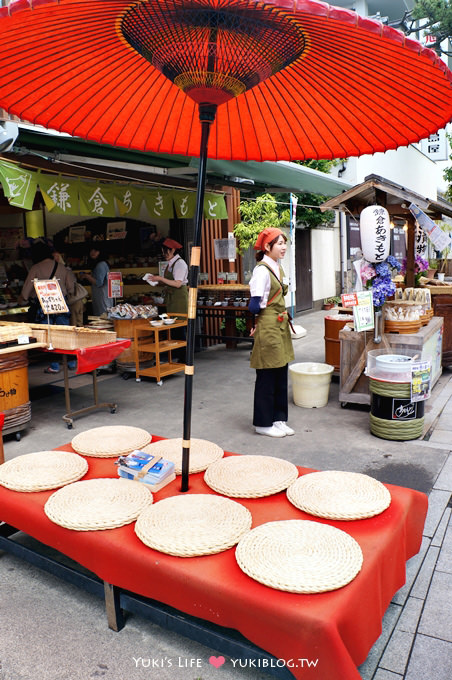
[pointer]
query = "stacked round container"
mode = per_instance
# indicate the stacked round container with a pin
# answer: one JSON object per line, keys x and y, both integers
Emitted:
{"x": 392, "y": 413}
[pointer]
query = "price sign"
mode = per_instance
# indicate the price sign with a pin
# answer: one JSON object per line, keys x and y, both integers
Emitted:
{"x": 363, "y": 311}
{"x": 50, "y": 296}
{"x": 114, "y": 284}
{"x": 421, "y": 379}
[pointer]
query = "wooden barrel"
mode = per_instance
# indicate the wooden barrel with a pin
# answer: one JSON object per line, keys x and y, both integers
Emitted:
{"x": 333, "y": 324}
{"x": 13, "y": 380}
{"x": 14, "y": 399}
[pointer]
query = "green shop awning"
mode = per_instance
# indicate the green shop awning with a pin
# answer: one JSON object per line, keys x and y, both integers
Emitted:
{"x": 266, "y": 176}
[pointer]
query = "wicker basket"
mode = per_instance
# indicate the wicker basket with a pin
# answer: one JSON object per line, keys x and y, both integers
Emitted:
{"x": 12, "y": 332}
{"x": 73, "y": 337}
{"x": 39, "y": 331}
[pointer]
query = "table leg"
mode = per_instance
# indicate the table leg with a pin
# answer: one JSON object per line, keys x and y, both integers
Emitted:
{"x": 67, "y": 397}
{"x": 68, "y": 417}
{"x": 115, "y": 616}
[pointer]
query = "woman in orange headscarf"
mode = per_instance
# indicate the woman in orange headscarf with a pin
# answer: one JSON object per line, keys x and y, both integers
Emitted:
{"x": 272, "y": 348}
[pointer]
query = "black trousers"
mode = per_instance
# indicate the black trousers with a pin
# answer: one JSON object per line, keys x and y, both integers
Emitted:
{"x": 270, "y": 396}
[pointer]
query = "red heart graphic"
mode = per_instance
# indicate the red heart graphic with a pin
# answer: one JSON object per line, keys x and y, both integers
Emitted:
{"x": 217, "y": 661}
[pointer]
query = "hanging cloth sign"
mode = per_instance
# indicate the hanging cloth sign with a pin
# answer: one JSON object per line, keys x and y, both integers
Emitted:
{"x": 159, "y": 203}
{"x": 215, "y": 207}
{"x": 96, "y": 199}
{"x": 436, "y": 235}
{"x": 50, "y": 296}
{"x": 185, "y": 202}
{"x": 19, "y": 185}
{"x": 420, "y": 241}
{"x": 60, "y": 194}
{"x": 128, "y": 200}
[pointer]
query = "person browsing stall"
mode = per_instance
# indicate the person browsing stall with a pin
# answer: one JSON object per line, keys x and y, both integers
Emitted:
{"x": 47, "y": 266}
{"x": 175, "y": 278}
{"x": 98, "y": 280}
{"x": 272, "y": 349}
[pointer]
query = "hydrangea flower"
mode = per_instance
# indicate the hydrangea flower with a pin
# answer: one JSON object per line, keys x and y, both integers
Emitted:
{"x": 378, "y": 278}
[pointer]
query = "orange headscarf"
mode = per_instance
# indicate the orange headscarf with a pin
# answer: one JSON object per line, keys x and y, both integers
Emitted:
{"x": 266, "y": 236}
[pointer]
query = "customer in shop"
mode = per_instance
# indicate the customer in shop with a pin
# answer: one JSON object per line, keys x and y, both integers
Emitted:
{"x": 272, "y": 349}
{"x": 174, "y": 279}
{"x": 45, "y": 266}
{"x": 98, "y": 279}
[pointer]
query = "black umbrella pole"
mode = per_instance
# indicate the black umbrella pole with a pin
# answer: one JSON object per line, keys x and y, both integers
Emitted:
{"x": 206, "y": 116}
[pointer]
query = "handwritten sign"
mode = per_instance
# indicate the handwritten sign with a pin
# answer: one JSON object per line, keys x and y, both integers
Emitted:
{"x": 50, "y": 296}
{"x": 363, "y": 309}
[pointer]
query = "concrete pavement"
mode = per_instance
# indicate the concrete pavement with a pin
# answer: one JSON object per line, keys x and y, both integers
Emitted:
{"x": 65, "y": 630}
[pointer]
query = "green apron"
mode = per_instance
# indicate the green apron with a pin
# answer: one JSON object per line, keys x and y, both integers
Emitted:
{"x": 272, "y": 340}
{"x": 176, "y": 298}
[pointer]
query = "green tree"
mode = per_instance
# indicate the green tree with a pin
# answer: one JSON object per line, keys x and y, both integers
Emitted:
{"x": 432, "y": 16}
{"x": 256, "y": 215}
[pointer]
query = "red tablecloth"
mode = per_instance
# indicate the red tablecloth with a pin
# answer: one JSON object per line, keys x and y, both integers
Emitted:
{"x": 334, "y": 631}
{"x": 90, "y": 358}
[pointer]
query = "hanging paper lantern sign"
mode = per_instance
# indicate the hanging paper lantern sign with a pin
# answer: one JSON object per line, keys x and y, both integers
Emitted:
{"x": 420, "y": 241}
{"x": 374, "y": 227}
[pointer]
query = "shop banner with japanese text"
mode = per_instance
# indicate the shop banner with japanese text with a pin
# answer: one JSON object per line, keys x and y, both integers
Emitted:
{"x": 215, "y": 207}
{"x": 185, "y": 202}
{"x": 96, "y": 199}
{"x": 60, "y": 194}
{"x": 129, "y": 200}
{"x": 159, "y": 203}
{"x": 19, "y": 185}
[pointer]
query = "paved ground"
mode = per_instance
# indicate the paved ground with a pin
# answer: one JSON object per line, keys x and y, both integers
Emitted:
{"x": 64, "y": 629}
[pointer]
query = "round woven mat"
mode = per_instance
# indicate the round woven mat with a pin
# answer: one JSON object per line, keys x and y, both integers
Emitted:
{"x": 198, "y": 524}
{"x": 98, "y": 504}
{"x": 110, "y": 441}
{"x": 250, "y": 476}
{"x": 202, "y": 453}
{"x": 339, "y": 495}
{"x": 42, "y": 470}
{"x": 299, "y": 556}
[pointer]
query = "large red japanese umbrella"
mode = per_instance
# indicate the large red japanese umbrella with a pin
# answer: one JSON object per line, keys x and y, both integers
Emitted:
{"x": 232, "y": 79}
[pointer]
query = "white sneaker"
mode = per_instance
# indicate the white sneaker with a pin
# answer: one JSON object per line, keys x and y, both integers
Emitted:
{"x": 283, "y": 427}
{"x": 271, "y": 431}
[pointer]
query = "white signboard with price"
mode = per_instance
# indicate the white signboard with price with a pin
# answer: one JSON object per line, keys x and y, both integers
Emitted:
{"x": 50, "y": 296}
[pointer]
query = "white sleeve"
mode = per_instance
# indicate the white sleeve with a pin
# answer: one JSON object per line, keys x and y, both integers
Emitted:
{"x": 180, "y": 271}
{"x": 260, "y": 285}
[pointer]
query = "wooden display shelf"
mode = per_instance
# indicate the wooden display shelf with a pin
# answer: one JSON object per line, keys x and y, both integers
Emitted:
{"x": 162, "y": 346}
{"x": 148, "y": 339}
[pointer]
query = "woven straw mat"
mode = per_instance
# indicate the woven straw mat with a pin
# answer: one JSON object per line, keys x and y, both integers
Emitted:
{"x": 202, "y": 453}
{"x": 110, "y": 441}
{"x": 198, "y": 524}
{"x": 250, "y": 476}
{"x": 299, "y": 556}
{"x": 339, "y": 495}
{"x": 103, "y": 503}
{"x": 42, "y": 470}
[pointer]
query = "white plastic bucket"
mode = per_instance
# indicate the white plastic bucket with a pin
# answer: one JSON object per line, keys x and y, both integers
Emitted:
{"x": 311, "y": 383}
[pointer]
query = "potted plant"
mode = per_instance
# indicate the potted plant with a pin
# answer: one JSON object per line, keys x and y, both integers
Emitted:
{"x": 331, "y": 302}
{"x": 432, "y": 267}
